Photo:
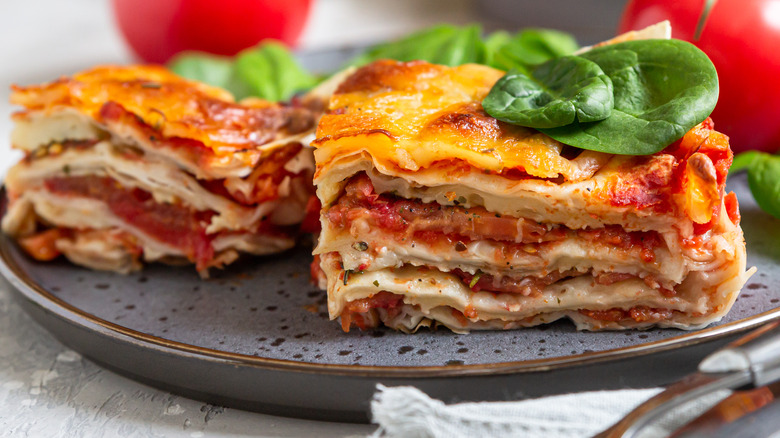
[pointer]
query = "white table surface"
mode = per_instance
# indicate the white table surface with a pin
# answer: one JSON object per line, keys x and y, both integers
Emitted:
{"x": 47, "y": 390}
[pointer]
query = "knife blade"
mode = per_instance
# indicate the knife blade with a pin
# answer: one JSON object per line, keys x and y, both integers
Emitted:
{"x": 751, "y": 361}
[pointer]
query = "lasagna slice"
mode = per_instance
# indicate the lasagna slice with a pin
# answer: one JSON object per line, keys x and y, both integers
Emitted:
{"x": 132, "y": 164}
{"x": 434, "y": 213}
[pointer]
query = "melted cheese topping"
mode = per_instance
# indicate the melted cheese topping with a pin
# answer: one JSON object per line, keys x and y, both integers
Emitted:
{"x": 171, "y": 106}
{"x": 415, "y": 114}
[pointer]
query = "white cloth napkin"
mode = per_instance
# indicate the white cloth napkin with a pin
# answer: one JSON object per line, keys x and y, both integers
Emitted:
{"x": 408, "y": 412}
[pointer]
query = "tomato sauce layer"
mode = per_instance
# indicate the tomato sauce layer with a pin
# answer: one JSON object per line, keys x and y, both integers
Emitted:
{"x": 355, "y": 313}
{"x": 265, "y": 179}
{"x": 635, "y": 314}
{"x": 531, "y": 285}
{"x": 438, "y": 224}
{"x": 172, "y": 224}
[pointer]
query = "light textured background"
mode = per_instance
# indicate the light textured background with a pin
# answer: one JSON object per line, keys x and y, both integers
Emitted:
{"x": 47, "y": 390}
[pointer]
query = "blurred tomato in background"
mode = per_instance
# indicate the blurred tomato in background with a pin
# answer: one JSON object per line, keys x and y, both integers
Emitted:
{"x": 158, "y": 29}
{"x": 742, "y": 38}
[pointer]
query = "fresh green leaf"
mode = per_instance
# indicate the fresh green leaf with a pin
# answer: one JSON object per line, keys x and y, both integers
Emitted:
{"x": 744, "y": 160}
{"x": 764, "y": 181}
{"x": 662, "y": 89}
{"x": 556, "y": 93}
{"x": 493, "y": 44}
{"x": 268, "y": 71}
{"x": 210, "y": 69}
{"x": 465, "y": 47}
{"x": 444, "y": 44}
{"x": 497, "y": 39}
{"x": 530, "y": 47}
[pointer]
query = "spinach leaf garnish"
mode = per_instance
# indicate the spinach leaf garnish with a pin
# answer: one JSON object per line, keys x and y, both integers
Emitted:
{"x": 268, "y": 71}
{"x": 661, "y": 89}
{"x": 763, "y": 174}
{"x": 444, "y": 44}
{"x": 555, "y": 93}
{"x": 210, "y": 69}
{"x": 528, "y": 47}
{"x": 453, "y": 45}
{"x": 744, "y": 160}
{"x": 764, "y": 182}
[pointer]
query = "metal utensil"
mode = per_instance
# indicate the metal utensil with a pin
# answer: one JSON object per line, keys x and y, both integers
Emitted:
{"x": 735, "y": 410}
{"x": 751, "y": 361}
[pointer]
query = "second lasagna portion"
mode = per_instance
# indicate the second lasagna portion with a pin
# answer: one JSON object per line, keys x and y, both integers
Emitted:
{"x": 125, "y": 164}
{"x": 436, "y": 213}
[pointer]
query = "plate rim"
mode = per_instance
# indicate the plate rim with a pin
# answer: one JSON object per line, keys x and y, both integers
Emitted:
{"x": 39, "y": 295}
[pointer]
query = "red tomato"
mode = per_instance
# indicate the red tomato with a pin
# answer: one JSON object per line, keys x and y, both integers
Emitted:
{"x": 158, "y": 29}
{"x": 742, "y": 38}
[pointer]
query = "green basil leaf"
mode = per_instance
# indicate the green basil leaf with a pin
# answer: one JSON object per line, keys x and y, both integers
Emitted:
{"x": 445, "y": 44}
{"x": 210, "y": 69}
{"x": 268, "y": 71}
{"x": 764, "y": 181}
{"x": 662, "y": 89}
{"x": 556, "y": 93}
{"x": 493, "y": 44}
{"x": 744, "y": 160}
{"x": 465, "y": 47}
{"x": 497, "y": 40}
{"x": 530, "y": 47}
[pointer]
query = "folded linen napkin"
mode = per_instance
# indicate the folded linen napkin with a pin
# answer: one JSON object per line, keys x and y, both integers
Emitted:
{"x": 408, "y": 412}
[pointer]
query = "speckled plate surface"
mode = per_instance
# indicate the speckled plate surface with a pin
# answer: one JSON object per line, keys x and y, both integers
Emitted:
{"x": 257, "y": 336}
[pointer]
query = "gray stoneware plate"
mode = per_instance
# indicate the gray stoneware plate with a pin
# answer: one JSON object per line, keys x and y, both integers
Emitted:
{"x": 258, "y": 337}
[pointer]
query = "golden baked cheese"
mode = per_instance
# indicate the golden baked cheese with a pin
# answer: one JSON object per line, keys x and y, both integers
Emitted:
{"x": 173, "y": 106}
{"x": 414, "y": 115}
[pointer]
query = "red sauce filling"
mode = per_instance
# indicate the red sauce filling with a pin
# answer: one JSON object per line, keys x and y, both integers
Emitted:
{"x": 732, "y": 207}
{"x": 354, "y": 310}
{"x": 57, "y": 148}
{"x": 448, "y": 225}
{"x": 43, "y": 246}
{"x": 311, "y": 220}
{"x": 172, "y": 224}
{"x": 265, "y": 178}
{"x": 704, "y": 139}
{"x": 527, "y": 286}
{"x": 637, "y": 314}
{"x": 533, "y": 286}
